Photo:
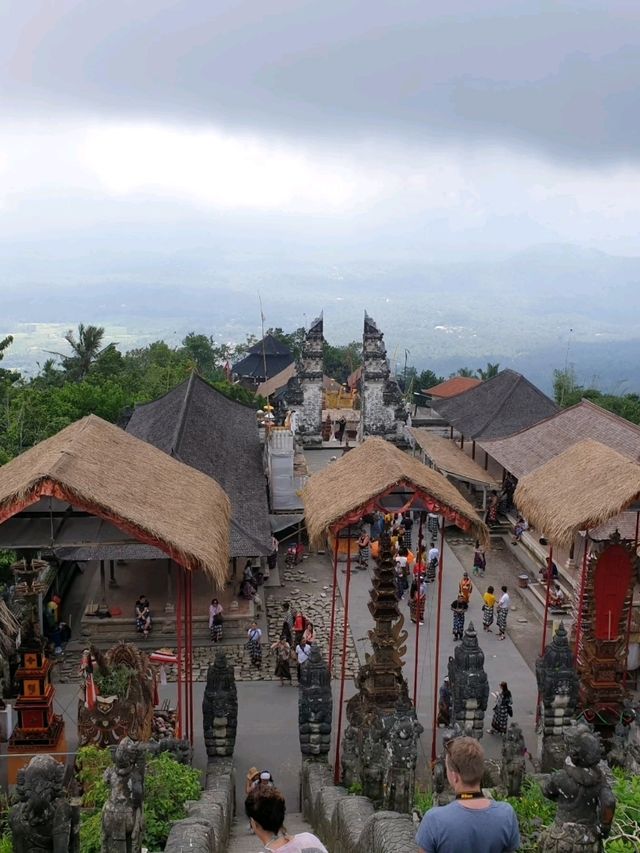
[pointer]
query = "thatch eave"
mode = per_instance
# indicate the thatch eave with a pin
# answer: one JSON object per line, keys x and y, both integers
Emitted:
{"x": 580, "y": 489}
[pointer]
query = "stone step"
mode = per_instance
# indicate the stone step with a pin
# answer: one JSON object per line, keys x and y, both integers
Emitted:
{"x": 114, "y": 629}
{"x": 244, "y": 841}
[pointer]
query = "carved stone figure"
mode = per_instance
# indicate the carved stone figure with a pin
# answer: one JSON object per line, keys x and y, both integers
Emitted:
{"x": 586, "y": 804}
{"x": 558, "y": 685}
{"x": 220, "y": 708}
{"x": 469, "y": 684}
{"x": 380, "y": 743}
{"x": 315, "y": 705}
{"x": 443, "y": 791}
{"x": 122, "y": 815}
{"x": 180, "y": 749}
{"x": 43, "y": 821}
{"x": 513, "y": 762}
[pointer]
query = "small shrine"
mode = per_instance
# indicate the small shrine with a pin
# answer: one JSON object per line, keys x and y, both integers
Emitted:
{"x": 468, "y": 684}
{"x": 558, "y": 687}
{"x": 315, "y": 706}
{"x": 607, "y": 595}
{"x": 37, "y": 725}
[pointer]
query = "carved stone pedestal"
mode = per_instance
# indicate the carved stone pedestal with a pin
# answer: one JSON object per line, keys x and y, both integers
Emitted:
{"x": 220, "y": 708}
{"x": 315, "y": 706}
{"x": 469, "y": 685}
{"x": 558, "y": 687}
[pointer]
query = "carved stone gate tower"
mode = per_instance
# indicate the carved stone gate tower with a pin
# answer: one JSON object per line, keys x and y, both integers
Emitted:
{"x": 382, "y": 404}
{"x": 304, "y": 390}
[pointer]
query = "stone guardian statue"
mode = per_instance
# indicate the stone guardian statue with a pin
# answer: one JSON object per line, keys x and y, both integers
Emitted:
{"x": 43, "y": 821}
{"x": 122, "y": 814}
{"x": 586, "y": 804}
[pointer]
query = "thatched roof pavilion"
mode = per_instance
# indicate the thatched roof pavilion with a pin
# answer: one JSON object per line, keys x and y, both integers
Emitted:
{"x": 580, "y": 489}
{"x": 53, "y": 494}
{"x": 498, "y": 407}
{"x": 526, "y": 450}
{"x": 203, "y": 428}
{"x": 350, "y": 488}
{"x": 447, "y": 457}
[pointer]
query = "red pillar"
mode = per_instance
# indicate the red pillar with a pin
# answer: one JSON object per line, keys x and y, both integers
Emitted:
{"x": 334, "y": 594}
{"x": 415, "y": 668}
{"x": 583, "y": 582}
{"x": 436, "y": 675}
{"x": 189, "y": 648}
{"x": 180, "y": 648}
{"x": 626, "y": 646}
{"x": 336, "y": 769}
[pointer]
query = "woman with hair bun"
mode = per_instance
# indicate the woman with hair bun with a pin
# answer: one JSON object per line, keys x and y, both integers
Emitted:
{"x": 265, "y": 808}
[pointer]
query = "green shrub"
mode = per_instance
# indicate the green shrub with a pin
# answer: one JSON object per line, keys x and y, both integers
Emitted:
{"x": 92, "y": 762}
{"x": 422, "y": 801}
{"x": 114, "y": 683}
{"x": 91, "y": 833}
{"x": 167, "y": 787}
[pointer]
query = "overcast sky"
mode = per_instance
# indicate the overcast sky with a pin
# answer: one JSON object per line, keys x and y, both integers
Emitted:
{"x": 406, "y": 129}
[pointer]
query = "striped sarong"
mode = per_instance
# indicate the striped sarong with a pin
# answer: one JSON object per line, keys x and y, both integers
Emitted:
{"x": 502, "y": 619}
{"x": 458, "y": 622}
{"x": 487, "y": 615}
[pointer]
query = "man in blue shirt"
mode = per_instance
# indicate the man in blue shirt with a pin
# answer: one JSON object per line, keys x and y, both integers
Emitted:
{"x": 471, "y": 822}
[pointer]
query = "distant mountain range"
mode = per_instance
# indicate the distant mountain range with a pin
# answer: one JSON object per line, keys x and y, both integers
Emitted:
{"x": 518, "y": 310}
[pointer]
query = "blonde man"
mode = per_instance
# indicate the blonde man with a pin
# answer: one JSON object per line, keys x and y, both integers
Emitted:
{"x": 472, "y": 822}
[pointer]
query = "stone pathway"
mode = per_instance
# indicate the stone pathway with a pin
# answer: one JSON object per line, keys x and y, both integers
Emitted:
{"x": 315, "y": 604}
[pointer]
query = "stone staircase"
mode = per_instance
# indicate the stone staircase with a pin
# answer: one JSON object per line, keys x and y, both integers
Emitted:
{"x": 243, "y": 841}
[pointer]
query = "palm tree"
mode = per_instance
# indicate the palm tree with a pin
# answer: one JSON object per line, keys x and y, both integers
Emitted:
{"x": 86, "y": 349}
{"x": 464, "y": 371}
{"x": 490, "y": 371}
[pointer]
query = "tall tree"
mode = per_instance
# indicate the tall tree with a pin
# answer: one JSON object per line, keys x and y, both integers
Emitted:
{"x": 566, "y": 390}
{"x": 7, "y": 375}
{"x": 489, "y": 372}
{"x": 464, "y": 371}
{"x": 86, "y": 348}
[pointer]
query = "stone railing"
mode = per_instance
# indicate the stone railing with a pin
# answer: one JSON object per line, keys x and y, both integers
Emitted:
{"x": 347, "y": 823}
{"x": 208, "y": 826}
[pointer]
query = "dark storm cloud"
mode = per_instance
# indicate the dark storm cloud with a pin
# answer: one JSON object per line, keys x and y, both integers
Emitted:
{"x": 561, "y": 77}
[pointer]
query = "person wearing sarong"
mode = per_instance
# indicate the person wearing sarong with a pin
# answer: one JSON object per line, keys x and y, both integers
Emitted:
{"x": 363, "y": 549}
{"x": 503, "y": 612}
{"x": 479, "y": 560}
{"x": 215, "y": 620}
{"x": 458, "y": 608}
{"x": 282, "y": 651}
{"x": 143, "y": 615}
{"x": 491, "y": 516}
{"x": 502, "y": 710}
{"x": 488, "y": 603}
{"x": 254, "y": 645}
{"x": 400, "y": 583}
{"x": 417, "y": 598}
{"x": 444, "y": 704}
{"x": 432, "y": 563}
{"x": 465, "y": 587}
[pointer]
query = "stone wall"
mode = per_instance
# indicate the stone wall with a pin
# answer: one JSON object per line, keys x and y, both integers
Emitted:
{"x": 349, "y": 824}
{"x": 208, "y": 826}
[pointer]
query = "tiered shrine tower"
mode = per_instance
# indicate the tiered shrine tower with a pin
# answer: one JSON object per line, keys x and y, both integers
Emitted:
{"x": 380, "y": 742}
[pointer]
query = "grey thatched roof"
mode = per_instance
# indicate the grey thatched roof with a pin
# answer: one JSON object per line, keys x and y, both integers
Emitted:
{"x": 96, "y": 467}
{"x": 526, "y": 450}
{"x": 497, "y": 408}
{"x": 269, "y": 350}
{"x": 201, "y": 427}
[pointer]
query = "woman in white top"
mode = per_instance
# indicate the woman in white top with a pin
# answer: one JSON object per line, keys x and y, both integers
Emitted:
{"x": 503, "y": 612}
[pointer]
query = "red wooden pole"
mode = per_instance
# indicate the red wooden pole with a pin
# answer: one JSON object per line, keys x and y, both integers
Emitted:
{"x": 436, "y": 675}
{"x": 189, "y": 578}
{"x": 187, "y": 654}
{"x": 583, "y": 583}
{"x": 626, "y": 649}
{"x": 544, "y": 624}
{"x": 415, "y": 667}
{"x": 334, "y": 595}
{"x": 336, "y": 769}
{"x": 546, "y": 601}
{"x": 179, "y": 642}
